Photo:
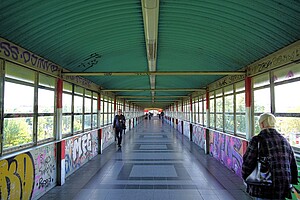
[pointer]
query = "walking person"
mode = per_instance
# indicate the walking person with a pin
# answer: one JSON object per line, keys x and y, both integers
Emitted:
{"x": 281, "y": 159}
{"x": 118, "y": 126}
{"x": 162, "y": 116}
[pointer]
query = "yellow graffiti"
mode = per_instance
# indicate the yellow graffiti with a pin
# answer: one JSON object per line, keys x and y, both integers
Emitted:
{"x": 16, "y": 177}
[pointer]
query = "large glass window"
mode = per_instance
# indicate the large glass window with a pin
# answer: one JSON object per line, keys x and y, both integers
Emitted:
{"x": 229, "y": 109}
{"x": 261, "y": 97}
{"x": 287, "y": 103}
{"x": 46, "y": 107}
{"x": 67, "y": 105}
{"x": 18, "y": 115}
{"x": 23, "y": 124}
{"x": 219, "y": 109}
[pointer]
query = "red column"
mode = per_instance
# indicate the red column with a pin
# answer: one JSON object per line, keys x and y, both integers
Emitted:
{"x": 248, "y": 102}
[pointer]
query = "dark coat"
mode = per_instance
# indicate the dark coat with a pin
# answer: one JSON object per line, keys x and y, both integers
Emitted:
{"x": 282, "y": 160}
{"x": 119, "y": 122}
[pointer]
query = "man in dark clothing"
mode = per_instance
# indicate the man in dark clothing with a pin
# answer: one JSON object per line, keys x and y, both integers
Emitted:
{"x": 162, "y": 116}
{"x": 118, "y": 125}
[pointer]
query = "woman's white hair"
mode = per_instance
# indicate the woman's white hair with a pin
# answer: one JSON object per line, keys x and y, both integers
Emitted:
{"x": 268, "y": 120}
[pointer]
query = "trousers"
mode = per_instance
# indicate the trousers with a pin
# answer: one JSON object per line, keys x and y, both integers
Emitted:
{"x": 119, "y": 135}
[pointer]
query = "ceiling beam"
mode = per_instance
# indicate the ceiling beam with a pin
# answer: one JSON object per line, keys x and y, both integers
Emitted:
{"x": 156, "y": 90}
{"x": 166, "y": 73}
{"x": 124, "y": 97}
{"x": 158, "y": 100}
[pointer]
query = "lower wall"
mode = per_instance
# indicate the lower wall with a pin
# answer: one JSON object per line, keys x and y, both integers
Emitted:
{"x": 229, "y": 150}
{"x": 28, "y": 175}
{"x": 199, "y": 136}
{"x": 179, "y": 126}
{"x": 79, "y": 150}
{"x": 186, "y": 129}
{"x": 108, "y": 137}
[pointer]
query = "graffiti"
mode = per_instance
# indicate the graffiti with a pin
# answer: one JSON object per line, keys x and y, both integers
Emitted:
{"x": 108, "y": 136}
{"x": 179, "y": 126}
{"x": 186, "y": 129}
{"x": 227, "y": 81}
{"x": 79, "y": 150}
{"x": 45, "y": 169}
{"x": 275, "y": 61}
{"x": 199, "y": 136}
{"x": 90, "y": 61}
{"x": 228, "y": 150}
{"x": 16, "y": 177}
{"x": 18, "y": 54}
{"x": 78, "y": 80}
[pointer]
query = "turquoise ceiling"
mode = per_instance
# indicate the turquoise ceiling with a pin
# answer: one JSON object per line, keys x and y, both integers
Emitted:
{"x": 193, "y": 35}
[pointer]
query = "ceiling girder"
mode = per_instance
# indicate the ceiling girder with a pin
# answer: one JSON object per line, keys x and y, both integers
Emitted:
{"x": 155, "y": 97}
{"x": 157, "y": 90}
{"x": 166, "y": 73}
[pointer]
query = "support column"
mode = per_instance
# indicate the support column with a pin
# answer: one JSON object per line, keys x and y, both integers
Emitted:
{"x": 115, "y": 105}
{"x": 192, "y": 119}
{"x": 59, "y": 92}
{"x": 61, "y": 166}
{"x": 207, "y": 109}
{"x": 60, "y": 146}
{"x": 2, "y": 75}
{"x": 248, "y": 102}
{"x": 99, "y": 124}
{"x": 207, "y": 124}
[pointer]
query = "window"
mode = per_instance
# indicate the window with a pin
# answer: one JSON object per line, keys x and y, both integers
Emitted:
{"x": 46, "y": 107}
{"x": 67, "y": 105}
{"x": 229, "y": 109}
{"x": 219, "y": 109}
{"x": 23, "y": 124}
{"x": 261, "y": 97}
{"x": 95, "y": 110}
{"x": 78, "y": 109}
{"x": 240, "y": 108}
{"x": 287, "y": 110}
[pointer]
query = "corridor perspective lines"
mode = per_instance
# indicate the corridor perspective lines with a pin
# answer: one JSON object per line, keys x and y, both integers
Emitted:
{"x": 155, "y": 162}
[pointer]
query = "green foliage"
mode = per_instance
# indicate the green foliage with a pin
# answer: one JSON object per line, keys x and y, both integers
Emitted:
{"x": 17, "y": 132}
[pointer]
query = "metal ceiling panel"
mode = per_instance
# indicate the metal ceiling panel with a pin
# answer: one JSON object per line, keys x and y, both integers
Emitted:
{"x": 193, "y": 35}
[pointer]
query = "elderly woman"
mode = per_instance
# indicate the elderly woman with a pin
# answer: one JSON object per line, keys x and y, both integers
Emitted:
{"x": 281, "y": 158}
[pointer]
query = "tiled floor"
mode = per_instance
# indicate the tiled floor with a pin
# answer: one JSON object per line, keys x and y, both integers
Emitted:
{"x": 155, "y": 162}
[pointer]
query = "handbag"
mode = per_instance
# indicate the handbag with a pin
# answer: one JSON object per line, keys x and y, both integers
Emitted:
{"x": 261, "y": 175}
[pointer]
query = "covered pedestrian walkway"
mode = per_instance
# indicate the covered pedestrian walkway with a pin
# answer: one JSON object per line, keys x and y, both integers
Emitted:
{"x": 155, "y": 162}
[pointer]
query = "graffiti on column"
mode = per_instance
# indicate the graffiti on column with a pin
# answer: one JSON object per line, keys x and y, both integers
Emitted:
{"x": 17, "y": 177}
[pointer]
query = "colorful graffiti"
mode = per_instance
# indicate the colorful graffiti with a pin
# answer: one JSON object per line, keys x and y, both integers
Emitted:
{"x": 108, "y": 136}
{"x": 228, "y": 150}
{"x": 179, "y": 126}
{"x": 44, "y": 160}
{"x": 199, "y": 136}
{"x": 17, "y": 177}
{"x": 186, "y": 129}
{"x": 79, "y": 150}
{"x": 28, "y": 175}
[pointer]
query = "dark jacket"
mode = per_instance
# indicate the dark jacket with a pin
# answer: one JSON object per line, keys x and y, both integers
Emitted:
{"x": 119, "y": 122}
{"x": 282, "y": 160}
